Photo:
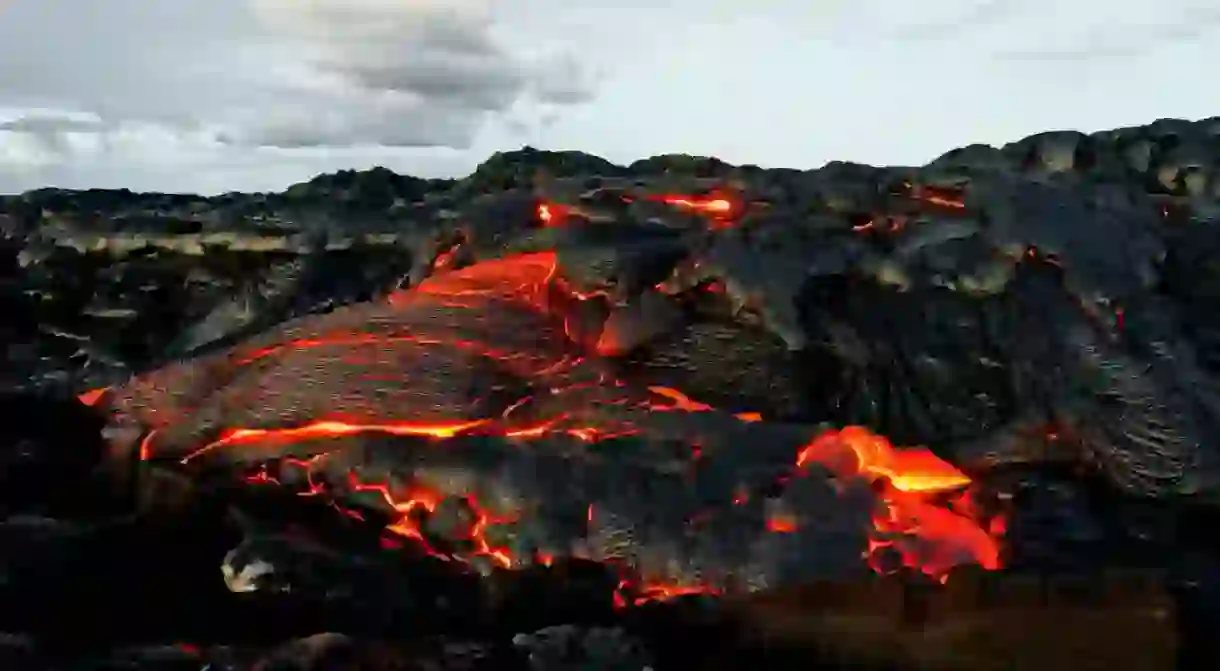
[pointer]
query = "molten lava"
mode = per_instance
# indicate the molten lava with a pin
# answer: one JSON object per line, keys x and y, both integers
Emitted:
{"x": 550, "y": 214}
{"x": 93, "y": 396}
{"x": 909, "y": 476}
{"x": 480, "y": 353}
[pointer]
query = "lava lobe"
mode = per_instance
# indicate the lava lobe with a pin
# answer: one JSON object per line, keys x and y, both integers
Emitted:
{"x": 468, "y": 414}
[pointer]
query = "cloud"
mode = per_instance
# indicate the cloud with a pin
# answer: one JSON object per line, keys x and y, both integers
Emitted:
{"x": 51, "y": 122}
{"x": 980, "y": 15}
{"x": 218, "y": 95}
{"x": 1111, "y": 42}
{"x": 269, "y": 73}
{"x": 1043, "y": 32}
{"x": 43, "y": 137}
{"x": 151, "y": 157}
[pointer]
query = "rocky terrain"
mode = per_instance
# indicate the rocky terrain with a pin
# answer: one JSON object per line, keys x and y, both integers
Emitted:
{"x": 691, "y": 372}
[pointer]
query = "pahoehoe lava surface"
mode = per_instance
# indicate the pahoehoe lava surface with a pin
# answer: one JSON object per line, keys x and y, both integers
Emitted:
{"x": 697, "y": 375}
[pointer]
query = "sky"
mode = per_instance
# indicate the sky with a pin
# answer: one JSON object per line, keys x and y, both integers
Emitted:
{"x": 253, "y": 95}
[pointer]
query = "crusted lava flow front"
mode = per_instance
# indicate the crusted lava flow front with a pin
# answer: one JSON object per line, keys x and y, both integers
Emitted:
{"x": 463, "y": 412}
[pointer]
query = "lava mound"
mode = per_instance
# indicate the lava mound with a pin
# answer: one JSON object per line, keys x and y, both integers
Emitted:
{"x": 468, "y": 412}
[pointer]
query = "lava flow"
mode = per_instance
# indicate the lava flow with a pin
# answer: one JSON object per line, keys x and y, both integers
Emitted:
{"x": 479, "y": 357}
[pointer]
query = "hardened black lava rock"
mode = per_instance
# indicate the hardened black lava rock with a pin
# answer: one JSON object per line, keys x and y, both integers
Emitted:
{"x": 568, "y": 648}
{"x": 50, "y": 449}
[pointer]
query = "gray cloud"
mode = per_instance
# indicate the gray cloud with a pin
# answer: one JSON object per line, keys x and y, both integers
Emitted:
{"x": 982, "y": 14}
{"x": 217, "y": 95}
{"x": 385, "y": 120}
{"x": 40, "y": 137}
{"x": 1101, "y": 43}
{"x": 52, "y": 124}
{"x": 287, "y": 73}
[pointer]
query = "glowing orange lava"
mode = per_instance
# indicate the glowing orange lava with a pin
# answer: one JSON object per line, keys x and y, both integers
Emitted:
{"x": 911, "y": 477}
{"x": 908, "y": 470}
{"x": 719, "y": 206}
{"x": 684, "y": 403}
{"x": 92, "y": 396}
{"x": 720, "y": 210}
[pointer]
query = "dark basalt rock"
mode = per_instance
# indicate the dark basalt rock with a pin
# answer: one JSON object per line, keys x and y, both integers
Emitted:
{"x": 48, "y": 451}
{"x": 567, "y": 648}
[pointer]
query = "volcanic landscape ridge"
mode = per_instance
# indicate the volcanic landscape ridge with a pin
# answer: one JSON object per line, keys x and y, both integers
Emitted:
{"x": 561, "y": 392}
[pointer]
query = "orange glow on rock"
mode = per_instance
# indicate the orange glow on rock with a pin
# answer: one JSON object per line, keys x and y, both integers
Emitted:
{"x": 909, "y": 470}
{"x": 721, "y": 212}
{"x": 324, "y": 430}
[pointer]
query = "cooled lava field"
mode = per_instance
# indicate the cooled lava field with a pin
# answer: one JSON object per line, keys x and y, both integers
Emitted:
{"x": 565, "y": 414}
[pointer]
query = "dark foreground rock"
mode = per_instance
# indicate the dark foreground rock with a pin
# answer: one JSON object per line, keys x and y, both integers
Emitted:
{"x": 506, "y": 421}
